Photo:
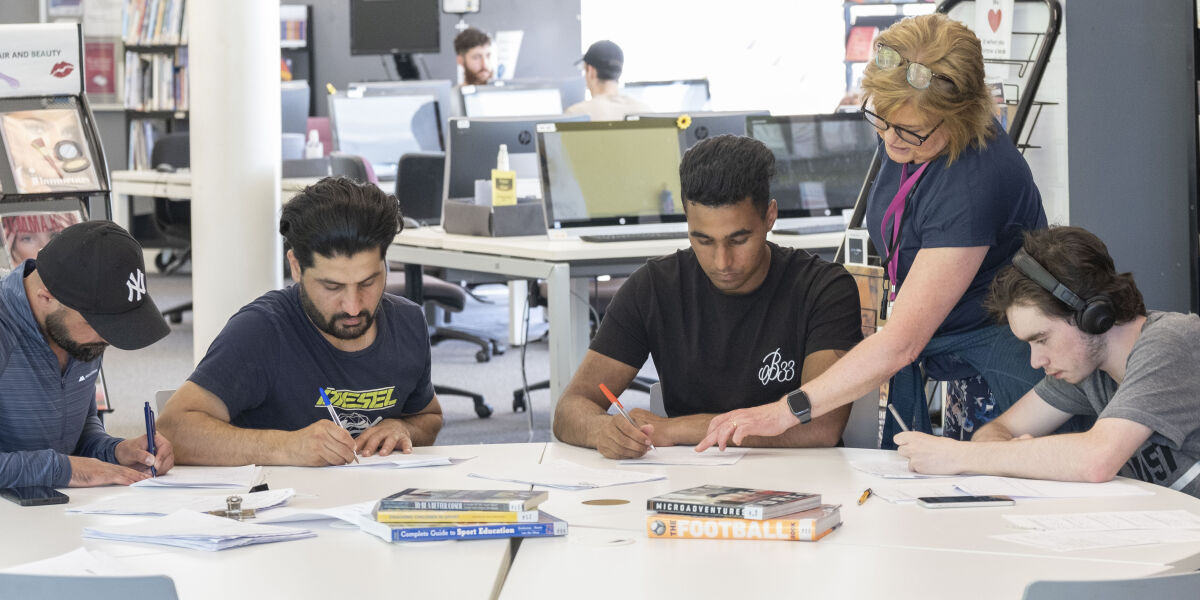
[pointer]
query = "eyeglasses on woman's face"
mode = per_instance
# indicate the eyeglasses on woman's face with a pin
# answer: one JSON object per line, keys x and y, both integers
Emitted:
{"x": 908, "y": 135}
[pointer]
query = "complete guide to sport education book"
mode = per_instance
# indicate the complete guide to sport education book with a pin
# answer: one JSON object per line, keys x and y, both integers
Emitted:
{"x": 810, "y": 525}
{"x": 546, "y": 526}
{"x": 733, "y": 502}
{"x": 463, "y": 500}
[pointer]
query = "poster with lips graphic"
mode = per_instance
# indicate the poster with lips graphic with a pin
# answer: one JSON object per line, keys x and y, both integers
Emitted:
{"x": 48, "y": 151}
{"x": 40, "y": 60}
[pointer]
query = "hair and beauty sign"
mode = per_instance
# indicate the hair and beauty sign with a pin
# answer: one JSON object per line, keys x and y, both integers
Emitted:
{"x": 40, "y": 60}
{"x": 993, "y": 26}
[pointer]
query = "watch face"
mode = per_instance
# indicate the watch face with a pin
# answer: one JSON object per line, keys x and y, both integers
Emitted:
{"x": 799, "y": 405}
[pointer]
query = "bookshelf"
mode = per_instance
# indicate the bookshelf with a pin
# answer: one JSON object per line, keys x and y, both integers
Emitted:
{"x": 156, "y": 84}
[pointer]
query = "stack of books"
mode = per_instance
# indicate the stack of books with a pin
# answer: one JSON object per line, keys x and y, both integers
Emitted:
{"x": 734, "y": 513}
{"x": 423, "y": 515}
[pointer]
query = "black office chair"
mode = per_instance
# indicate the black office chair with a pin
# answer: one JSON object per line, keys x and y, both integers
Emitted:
{"x": 173, "y": 218}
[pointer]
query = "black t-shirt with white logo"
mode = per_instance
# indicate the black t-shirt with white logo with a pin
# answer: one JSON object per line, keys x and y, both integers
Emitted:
{"x": 270, "y": 362}
{"x": 717, "y": 352}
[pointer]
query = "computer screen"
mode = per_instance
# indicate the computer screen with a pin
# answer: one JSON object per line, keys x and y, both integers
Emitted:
{"x": 610, "y": 173}
{"x": 442, "y": 89}
{"x": 382, "y": 128}
{"x": 473, "y": 144}
{"x": 512, "y": 100}
{"x": 821, "y": 160}
{"x": 707, "y": 124}
{"x": 394, "y": 26}
{"x": 294, "y": 105}
{"x": 682, "y": 95}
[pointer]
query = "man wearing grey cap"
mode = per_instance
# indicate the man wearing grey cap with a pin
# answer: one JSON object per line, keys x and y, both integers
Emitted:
{"x": 603, "y": 63}
{"x": 85, "y": 290}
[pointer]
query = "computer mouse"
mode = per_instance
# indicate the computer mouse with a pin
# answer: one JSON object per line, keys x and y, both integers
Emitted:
{"x": 164, "y": 168}
{"x": 411, "y": 223}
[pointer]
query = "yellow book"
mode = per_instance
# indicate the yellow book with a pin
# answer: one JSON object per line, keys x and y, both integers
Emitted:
{"x": 455, "y": 516}
{"x": 809, "y": 526}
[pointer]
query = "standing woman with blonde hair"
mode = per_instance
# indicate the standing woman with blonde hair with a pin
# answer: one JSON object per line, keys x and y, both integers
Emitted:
{"x": 946, "y": 213}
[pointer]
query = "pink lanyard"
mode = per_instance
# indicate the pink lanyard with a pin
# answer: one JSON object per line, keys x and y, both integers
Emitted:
{"x": 895, "y": 211}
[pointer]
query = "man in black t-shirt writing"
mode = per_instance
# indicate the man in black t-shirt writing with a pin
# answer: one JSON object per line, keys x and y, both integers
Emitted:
{"x": 735, "y": 321}
{"x": 258, "y": 395}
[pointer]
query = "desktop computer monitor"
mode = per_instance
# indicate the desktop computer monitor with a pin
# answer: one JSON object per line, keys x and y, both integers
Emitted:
{"x": 294, "y": 104}
{"x": 608, "y": 177}
{"x": 442, "y": 89}
{"x": 473, "y": 144}
{"x": 382, "y": 128}
{"x": 681, "y": 95}
{"x": 394, "y": 26}
{"x": 706, "y": 124}
{"x": 511, "y": 100}
{"x": 820, "y": 163}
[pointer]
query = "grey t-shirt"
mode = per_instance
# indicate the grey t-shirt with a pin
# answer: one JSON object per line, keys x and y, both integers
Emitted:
{"x": 1161, "y": 391}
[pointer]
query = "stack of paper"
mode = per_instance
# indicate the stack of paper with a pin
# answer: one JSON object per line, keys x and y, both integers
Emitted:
{"x": 349, "y": 513}
{"x": 163, "y": 503}
{"x": 206, "y": 477}
{"x": 198, "y": 531}
{"x": 687, "y": 455}
{"x": 566, "y": 475}
{"x": 398, "y": 460}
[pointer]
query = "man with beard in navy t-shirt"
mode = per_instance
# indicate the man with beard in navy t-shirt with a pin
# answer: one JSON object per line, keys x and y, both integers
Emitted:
{"x": 256, "y": 395}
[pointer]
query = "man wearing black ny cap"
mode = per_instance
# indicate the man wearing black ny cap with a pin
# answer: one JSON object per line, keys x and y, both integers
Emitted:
{"x": 85, "y": 290}
{"x": 603, "y": 63}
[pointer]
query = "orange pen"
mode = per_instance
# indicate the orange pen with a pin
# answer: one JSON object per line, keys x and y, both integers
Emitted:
{"x": 613, "y": 398}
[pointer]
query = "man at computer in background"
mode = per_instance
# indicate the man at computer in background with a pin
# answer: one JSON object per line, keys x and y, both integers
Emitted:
{"x": 602, "y": 66}
{"x": 58, "y": 313}
{"x": 734, "y": 321}
{"x": 473, "y": 50}
{"x": 256, "y": 397}
{"x": 1105, "y": 356}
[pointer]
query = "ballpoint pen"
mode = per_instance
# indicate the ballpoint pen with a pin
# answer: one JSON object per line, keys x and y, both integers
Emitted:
{"x": 613, "y": 398}
{"x": 333, "y": 414}
{"x": 150, "y": 437}
{"x": 896, "y": 416}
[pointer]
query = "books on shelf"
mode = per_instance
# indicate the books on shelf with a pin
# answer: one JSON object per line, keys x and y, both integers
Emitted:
{"x": 156, "y": 81}
{"x": 153, "y": 22}
{"x": 464, "y": 500}
{"x": 48, "y": 151}
{"x": 546, "y": 526}
{"x": 734, "y": 502}
{"x": 810, "y": 526}
{"x": 456, "y": 516}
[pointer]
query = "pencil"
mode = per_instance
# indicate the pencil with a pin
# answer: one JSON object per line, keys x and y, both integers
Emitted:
{"x": 613, "y": 398}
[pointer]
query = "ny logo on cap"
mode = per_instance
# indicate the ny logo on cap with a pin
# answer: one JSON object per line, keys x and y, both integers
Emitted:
{"x": 136, "y": 284}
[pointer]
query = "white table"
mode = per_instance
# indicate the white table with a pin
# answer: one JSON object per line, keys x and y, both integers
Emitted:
{"x": 340, "y": 562}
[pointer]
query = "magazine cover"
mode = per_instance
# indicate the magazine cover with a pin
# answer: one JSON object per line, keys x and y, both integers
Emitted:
{"x": 48, "y": 151}
{"x": 26, "y": 233}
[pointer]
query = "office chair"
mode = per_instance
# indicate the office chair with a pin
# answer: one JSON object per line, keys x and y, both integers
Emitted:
{"x": 54, "y": 587}
{"x": 173, "y": 218}
{"x": 1161, "y": 587}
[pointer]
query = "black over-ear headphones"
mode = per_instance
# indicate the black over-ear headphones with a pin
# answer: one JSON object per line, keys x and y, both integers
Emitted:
{"x": 1094, "y": 315}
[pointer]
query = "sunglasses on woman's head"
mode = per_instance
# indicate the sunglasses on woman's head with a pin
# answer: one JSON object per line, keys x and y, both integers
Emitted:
{"x": 918, "y": 75}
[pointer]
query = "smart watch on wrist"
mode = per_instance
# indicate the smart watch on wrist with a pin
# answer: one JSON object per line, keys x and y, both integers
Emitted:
{"x": 800, "y": 406}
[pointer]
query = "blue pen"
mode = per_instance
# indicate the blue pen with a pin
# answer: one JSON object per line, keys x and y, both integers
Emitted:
{"x": 150, "y": 437}
{"x": 333, "y": 413}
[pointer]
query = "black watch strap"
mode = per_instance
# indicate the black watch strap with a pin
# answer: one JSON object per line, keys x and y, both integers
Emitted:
{"x": 800, "y": 406}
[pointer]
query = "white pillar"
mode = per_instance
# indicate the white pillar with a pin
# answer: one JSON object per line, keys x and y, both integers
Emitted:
{"x": 233, "y": 57}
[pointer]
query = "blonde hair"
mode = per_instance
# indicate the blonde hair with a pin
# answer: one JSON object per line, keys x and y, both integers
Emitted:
{"x": 949, "y": 49}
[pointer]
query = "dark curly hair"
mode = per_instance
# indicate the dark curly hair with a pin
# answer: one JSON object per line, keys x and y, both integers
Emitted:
{"x": 339, "y": 216}
{"x": 727, "y": 169}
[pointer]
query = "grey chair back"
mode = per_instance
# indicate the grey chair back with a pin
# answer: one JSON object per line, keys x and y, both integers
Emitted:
{"x": 1183, "y": 586}
{"x": 56, "y": 587}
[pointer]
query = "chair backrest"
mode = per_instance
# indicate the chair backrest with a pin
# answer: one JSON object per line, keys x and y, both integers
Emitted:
{"x": 865, "y": 424}
{"x": 352, "y": 166}
{"x": 54, "y": 587}
{"x": 160, "y": 400}
{"x": 1183, "y": 586}
{"x": 307, "y": 167}
{"x": 656, "y": 400}
{"x": 172, "y": 150}
{"x": 419, "y": 180}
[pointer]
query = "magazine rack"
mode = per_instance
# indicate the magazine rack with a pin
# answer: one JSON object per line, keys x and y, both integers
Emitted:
{"x": 53, "y": 171}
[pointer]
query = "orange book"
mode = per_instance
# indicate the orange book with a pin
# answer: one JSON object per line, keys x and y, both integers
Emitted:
{"x": 807, "y": 526}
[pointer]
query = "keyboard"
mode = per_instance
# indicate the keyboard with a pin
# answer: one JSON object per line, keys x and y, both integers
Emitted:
{"x": 814, "y": 228}
{"x": 636, "y": 237}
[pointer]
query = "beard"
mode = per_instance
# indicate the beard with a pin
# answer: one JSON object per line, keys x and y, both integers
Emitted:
{"x": 56, "y": 330}
{"x": 332, "y": 325}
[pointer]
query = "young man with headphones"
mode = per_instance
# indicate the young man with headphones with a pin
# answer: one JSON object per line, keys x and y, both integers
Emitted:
{"x": 1105, "y": 356}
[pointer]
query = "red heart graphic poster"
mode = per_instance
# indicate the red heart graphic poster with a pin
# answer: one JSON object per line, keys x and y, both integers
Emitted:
{"x": 993, "y": 26}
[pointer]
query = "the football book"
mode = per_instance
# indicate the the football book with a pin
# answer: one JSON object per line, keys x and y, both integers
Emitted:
{"x": 810, "y": 525}
{"x": 496, "y": 500}
{"x": 733, "y": 502}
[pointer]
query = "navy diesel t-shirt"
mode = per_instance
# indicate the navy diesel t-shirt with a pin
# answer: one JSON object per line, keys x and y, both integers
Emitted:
{"x": 986, "y": 198}
{"x": 717, "y": 352}
{"x": 269, "y": 362}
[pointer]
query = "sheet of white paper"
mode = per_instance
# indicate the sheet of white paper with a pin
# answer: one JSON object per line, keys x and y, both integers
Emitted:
{"x": 198, "y": 531}
{"x": 79, "y": 561}
{"x": 904, "y": 493}
{"x": 205, "y": 477}
{"x": 349, "y": 513}
{"x": 566, "y": 475}
{"x": 1067, "y": 541}
{"x": 687, "y": 455}
{"x": 1108, "y": 521}
{"x": 891, "y": 469}
{"x": 163, "y": 503}
{"x": 397, "y": 461}
{"x": 1037, "y": 488}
